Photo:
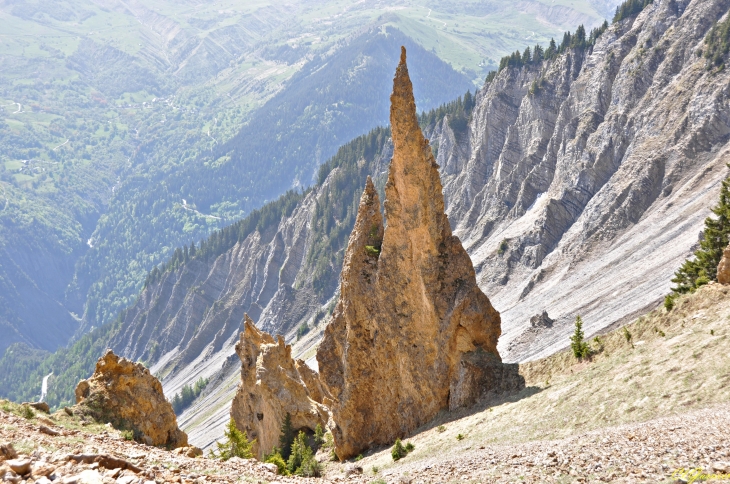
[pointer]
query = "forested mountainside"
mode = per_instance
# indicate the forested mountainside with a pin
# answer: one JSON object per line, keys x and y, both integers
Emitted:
{"x": 330, "y": 100}
{"x": 578, "y": 183}
{"x": 100, "y": 101}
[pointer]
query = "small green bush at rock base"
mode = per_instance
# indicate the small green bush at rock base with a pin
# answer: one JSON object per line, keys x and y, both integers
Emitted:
{"x": 398, "y": 451}
{"x": 26, "y": 412}
{"x": 358, "y": 458}
{"x": 276, "y": 459}
{"x": 127, "y": 435}
{"x": 441, "y": 429}
{"x": 460, "y": 437}
{"x": 236, "y": 444}
{"x": 409, "y": 447}
{"x": 669, "y": 302}
{"x": 372, "y": 250}
{"x": 376, "y": 469}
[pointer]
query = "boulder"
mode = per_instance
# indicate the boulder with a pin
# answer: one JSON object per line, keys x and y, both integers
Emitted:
{"x": 412, "y": 334}
{"x": 19, "y": 466}
{"x": 129, "y": 397}
{"x": 541, "y": 321}
{"x": 7, "y": 452}
{"x": 40, "y": 406}
{"x": 723, "y": 268}
{"x": 272, "y": 385}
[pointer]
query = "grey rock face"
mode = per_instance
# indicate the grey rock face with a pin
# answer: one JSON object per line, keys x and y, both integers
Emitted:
{"x": 599, "y": 181}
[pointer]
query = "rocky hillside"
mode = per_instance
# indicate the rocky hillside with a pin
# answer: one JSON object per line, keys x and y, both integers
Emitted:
{"x": 577, "y": 421}
{"x": 581, "y": 184}
{"x": 577, "y": 184}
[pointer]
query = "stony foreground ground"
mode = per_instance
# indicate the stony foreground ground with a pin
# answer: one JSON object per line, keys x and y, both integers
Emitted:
{"x": 636, "y": 453}
{"x": 647, "y": 452}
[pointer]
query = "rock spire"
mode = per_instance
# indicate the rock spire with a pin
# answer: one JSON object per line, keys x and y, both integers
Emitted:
{"x": 272, "y": 385}
{"x": 412, "y": 333}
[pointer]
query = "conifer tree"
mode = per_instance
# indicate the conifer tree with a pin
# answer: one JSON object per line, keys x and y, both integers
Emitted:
{"x": 703, "y": 267}
{"x": 235, "y": 444}
{"x": 579, "y": 347}
{"x": 286, "y": 439}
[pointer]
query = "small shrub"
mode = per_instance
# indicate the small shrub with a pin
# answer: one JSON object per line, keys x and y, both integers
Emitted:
{"x": 358, "y": 458}
{"x": 669, "y": 302}
{"x": 329, "y": 441}
{"x": 319, "y": 436}
{"x": 372, "y": 251}
{"x": 503, "y": 246}
{"x": 409, "y": 447}
{"x": 659, "y": 332}
{"x": 627, "y": 335}
{"x": 310, "y": 467}
{"x": 580, "y": 348}
{"x": 376, "y": 469}
{"x": 236, "y": 444}
{"x": 398, "y": 451}
{"x": 599, "y": 344}
{"x": 276, "y": 459}
{"x": 302, "y": 330}
{"x": 712, "y": 332}
{"x": 26, "y": 412}
{"x": 460, "y": 437}
{"x": 127, "y": 435}
{"x": 440, "y": 429}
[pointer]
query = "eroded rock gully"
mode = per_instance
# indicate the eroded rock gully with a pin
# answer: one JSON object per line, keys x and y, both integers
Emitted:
{"x": 126, "y": 395}
{"x": 412, "y": 334}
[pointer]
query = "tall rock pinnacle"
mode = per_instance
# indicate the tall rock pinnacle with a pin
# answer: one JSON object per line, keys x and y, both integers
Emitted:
{"x": 412, "y": 333}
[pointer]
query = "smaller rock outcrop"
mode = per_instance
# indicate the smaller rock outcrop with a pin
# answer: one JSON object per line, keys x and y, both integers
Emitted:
{"x": 272, "y": 385}
{"x": 723, "y": 268}
{"x": 125, "y": 394}
{"x": 541, "y": 321}
{"x": 40, "y": 406}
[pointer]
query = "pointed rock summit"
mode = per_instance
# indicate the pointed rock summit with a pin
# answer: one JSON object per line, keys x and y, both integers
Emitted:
{"x": 412, "y": 333}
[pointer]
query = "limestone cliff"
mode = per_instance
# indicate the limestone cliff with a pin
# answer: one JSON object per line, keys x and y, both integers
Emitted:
{"x": 412, "y": 333}
{"x": 125, "y": 394}
{"x": 272, "y": 385}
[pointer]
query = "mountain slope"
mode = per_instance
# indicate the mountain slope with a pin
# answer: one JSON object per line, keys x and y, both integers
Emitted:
{"x": 101, "y": 99}
{"x": 332, "y": 99}
{"x": 599, "y": 180}
{"x": 596, "y": 169}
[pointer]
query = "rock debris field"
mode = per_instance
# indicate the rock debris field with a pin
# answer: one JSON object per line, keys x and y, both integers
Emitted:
{"x": 645, "y": 452}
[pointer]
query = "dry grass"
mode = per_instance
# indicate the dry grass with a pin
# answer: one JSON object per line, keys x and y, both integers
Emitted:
{"x": 652, "y": 376}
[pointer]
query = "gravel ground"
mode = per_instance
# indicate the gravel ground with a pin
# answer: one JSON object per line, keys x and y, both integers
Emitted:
{"x": 644, "y": 452}
{"x": 636, "y": 453}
